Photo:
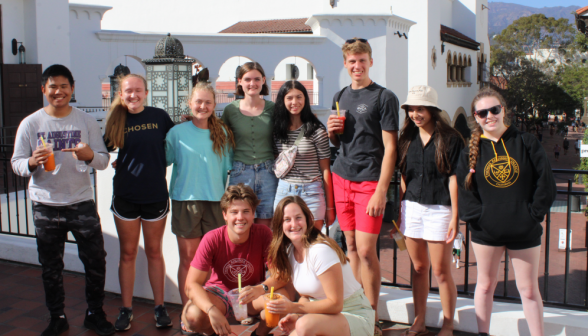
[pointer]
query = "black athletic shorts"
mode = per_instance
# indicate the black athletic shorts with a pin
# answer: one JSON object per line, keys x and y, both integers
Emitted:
{"x": 131, "y": 211}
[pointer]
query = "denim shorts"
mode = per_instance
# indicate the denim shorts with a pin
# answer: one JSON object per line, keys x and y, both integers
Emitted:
{"x": 261, "y": 178}
{"x": 312, "y": 193}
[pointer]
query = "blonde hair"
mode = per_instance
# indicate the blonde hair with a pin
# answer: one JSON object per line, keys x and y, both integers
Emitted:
{"x": 117, "y": 116}
{"x": 356, "y": 47}
{"x": 220, "y": 135}
{"x": 278, "y": 261}
{"x": 477, "y": 131}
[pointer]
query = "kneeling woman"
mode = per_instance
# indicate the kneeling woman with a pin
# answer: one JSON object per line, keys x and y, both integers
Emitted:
{"x": 320, "y": 273}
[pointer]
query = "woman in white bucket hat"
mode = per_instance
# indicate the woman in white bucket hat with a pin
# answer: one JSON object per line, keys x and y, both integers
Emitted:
{"x": 428, "y": 151}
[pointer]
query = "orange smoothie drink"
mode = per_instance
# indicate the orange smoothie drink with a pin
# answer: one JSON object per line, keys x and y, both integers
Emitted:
{"x": 271, "y": 320}
{"x": 50, "y": 164}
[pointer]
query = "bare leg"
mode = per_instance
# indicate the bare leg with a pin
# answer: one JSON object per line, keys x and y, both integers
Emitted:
{"x": 526, "y": 266}
{"x": 319, "y": 224}
{"x": 196, "y": 320}
{"x": 419, "y": 255}
{"x": 128, "y": 236}
{"x": 265, "y": 221}
{"x": 488, "y": 259}
{"x": 321, "y": 324}
{"x": 187, "y": 249}
{"x": 441, "y": 261}
{"x": 153, "y": 238}
{"x": 354, "y": 261}
{"x": 370, "y": 267}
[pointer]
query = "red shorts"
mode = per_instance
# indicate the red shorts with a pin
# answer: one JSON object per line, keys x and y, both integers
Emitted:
{"x": 351, "y": 201}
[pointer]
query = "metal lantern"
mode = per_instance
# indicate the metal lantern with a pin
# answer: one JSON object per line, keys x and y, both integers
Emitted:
{"x": 169, "y": 78}
{"x": 119, "y": 72}
{"x": 22, "y": 59}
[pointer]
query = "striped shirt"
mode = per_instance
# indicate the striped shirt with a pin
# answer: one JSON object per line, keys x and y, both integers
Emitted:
{"x": 306, "y": 168}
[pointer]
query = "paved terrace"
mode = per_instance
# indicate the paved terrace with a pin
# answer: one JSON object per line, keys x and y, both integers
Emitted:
{"x": 23, "y": 312}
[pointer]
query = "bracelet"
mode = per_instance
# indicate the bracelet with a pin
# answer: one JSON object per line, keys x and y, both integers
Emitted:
{"x": 208, "y": 310}
{"x": 330, "y": 208}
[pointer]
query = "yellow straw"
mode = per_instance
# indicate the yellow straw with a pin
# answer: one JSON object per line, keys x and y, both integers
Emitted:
{"x": 337, "y": 104}
{"x": 239, "y": 282}
{"x": 272, "y": 294}
{"x": 43, "y": 141}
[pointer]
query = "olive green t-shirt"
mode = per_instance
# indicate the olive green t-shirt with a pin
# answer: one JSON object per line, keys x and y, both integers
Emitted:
{"x": 253, "y": 135}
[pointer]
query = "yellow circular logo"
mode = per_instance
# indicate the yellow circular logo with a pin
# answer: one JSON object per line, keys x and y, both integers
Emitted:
{"x": 499, "y": 173}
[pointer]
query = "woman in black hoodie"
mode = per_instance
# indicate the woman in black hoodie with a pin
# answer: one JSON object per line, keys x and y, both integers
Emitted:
{"x": 505, "y": 189}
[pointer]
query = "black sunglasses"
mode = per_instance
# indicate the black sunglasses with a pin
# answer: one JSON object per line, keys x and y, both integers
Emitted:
{"x": 484, "y": 113}
{"x": 355, "y": 40}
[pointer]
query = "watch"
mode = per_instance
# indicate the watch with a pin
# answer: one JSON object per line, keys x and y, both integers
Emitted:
{"x": 265, "y": 287}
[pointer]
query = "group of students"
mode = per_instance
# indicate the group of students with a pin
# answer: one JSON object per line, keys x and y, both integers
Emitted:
{"x": 232, "y": 227}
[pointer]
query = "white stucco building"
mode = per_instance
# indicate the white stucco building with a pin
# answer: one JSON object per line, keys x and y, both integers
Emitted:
{"x": 441, "y": 43}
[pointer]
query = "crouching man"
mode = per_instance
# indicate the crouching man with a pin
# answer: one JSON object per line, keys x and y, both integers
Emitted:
{"x": 240, "y": 247}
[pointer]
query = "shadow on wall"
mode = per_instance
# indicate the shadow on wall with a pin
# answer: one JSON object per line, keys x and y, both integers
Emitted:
{"x": 142, "y": 287}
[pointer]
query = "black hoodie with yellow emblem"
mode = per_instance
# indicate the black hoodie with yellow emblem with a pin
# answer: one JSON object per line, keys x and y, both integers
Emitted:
{"x": 512, "y": 190}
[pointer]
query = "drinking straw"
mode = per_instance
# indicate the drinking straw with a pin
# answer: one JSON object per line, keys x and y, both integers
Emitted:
{"x": 239, "y": 282}
{"x": 43, "y": 141}
{"x": 337, "y": 104}
{"x": 272, "y": 294}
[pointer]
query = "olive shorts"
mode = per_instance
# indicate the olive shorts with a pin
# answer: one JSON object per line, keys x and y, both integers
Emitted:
{"x": 192, "y": 219}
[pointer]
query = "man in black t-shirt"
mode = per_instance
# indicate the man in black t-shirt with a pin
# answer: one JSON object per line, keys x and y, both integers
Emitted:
{"x": 364, "y": 166}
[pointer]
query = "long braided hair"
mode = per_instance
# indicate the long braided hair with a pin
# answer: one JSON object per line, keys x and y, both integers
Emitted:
{"x": 220, "y": 135}
{"x": 477, "y": 131}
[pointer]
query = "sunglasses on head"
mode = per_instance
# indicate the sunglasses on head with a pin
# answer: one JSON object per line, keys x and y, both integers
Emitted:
{"x": 355, "y": 40}
{"x": 484, "y": 113}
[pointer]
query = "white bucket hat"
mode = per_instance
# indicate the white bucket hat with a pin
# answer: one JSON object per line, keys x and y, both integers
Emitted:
{"x": 421, "y": 95}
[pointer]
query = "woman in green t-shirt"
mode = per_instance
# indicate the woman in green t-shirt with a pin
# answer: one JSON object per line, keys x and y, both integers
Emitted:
{"x": 250, "y": 119}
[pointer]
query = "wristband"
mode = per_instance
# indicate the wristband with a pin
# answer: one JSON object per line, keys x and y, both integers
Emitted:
{"x": 208, "y": 310}
{"x": 330, "y": 208}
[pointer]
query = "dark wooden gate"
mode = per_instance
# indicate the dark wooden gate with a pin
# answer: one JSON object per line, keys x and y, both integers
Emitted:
{"x": 21, "y": 95}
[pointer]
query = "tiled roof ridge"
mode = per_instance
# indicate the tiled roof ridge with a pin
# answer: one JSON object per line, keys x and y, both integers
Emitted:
{"x": 269, "y": 26}
{"x": 453, "y": 32}
{"x": 582, "y": 10}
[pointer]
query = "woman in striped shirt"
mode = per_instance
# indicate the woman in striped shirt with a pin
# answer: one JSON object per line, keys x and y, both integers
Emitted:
{"x": 311, "y": 170}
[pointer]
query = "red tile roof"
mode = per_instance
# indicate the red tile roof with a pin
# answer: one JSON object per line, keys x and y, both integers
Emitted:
{"x": 269, "y": 27}
{"x": 453, "y": 32}
{"x": 582, "y": 10}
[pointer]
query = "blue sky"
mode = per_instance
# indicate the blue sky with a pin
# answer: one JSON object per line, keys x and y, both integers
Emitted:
{"x": 547, "y": 3}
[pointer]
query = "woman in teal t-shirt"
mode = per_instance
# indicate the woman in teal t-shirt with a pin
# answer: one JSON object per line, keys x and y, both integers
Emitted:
{"x": 201, "y": 152}
{"x": 250, "y": 119}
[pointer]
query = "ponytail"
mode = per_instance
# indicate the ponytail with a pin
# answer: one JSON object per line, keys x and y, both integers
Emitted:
{"x": 117, "y": 117}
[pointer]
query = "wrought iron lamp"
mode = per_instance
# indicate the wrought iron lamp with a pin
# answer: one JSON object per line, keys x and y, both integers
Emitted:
{"x": 169, "y": 77}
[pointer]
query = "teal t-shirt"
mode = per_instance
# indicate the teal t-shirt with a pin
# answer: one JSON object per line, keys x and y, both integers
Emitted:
{"x": 198, "y": 174}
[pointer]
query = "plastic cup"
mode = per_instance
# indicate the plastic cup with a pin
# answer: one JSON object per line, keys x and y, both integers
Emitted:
{"x": 50, "y": 164}
{"x": 271, "y": 320}
{"x": 239, "y": 309}
{"x": 341, "y": 116}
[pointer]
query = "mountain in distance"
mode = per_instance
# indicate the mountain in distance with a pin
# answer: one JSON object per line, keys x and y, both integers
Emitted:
{"x": 502, "y": 14}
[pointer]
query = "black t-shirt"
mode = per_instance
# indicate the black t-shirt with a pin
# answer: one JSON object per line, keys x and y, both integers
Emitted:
{"x": 425, "y": 184}
{"x": 140, "y": 167}
{"x": 362, "y": 148}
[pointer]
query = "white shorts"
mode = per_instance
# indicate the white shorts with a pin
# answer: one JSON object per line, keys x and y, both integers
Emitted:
{"x": 425, "y": 221}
